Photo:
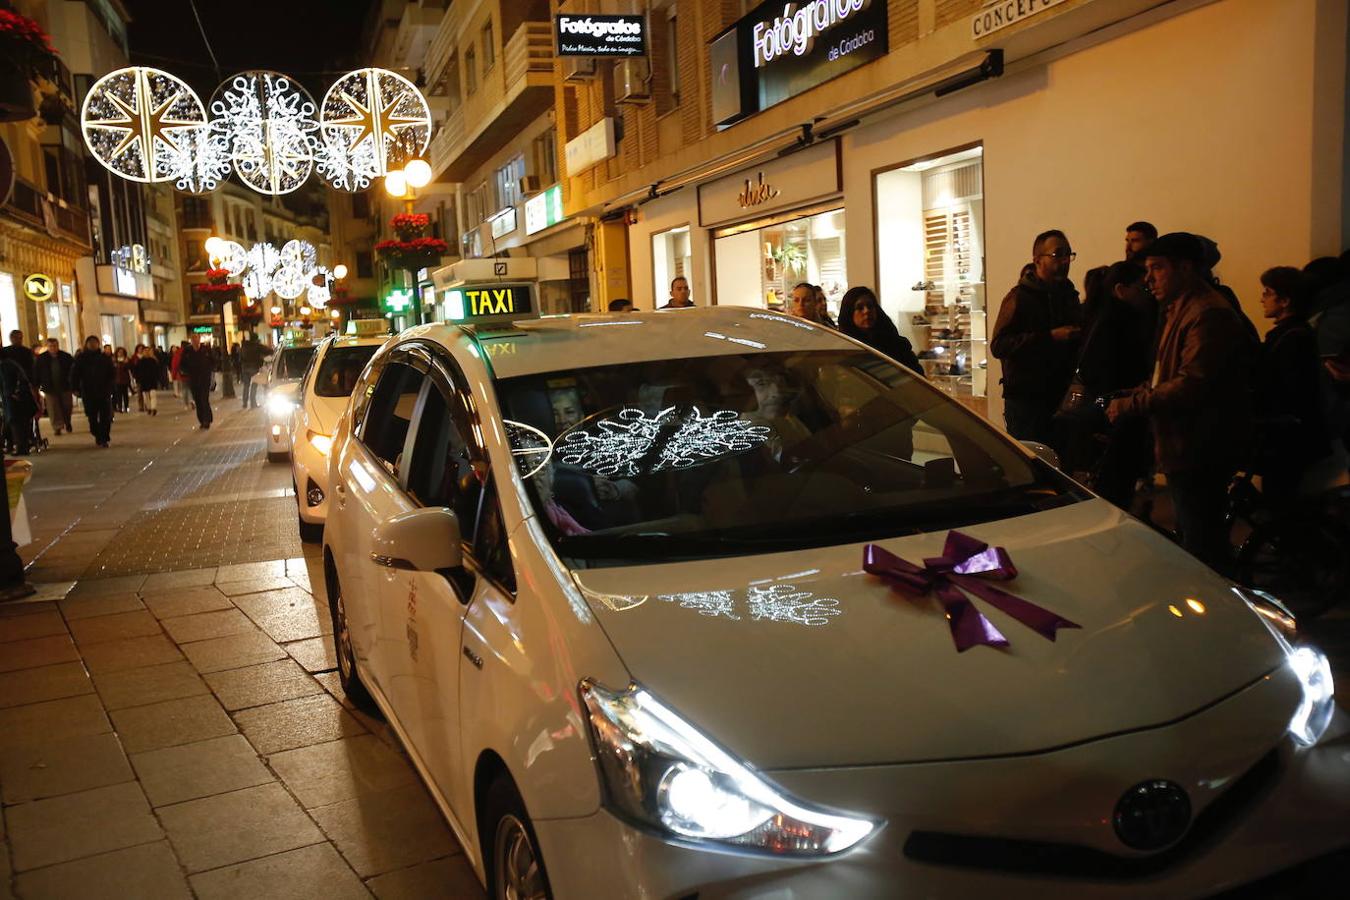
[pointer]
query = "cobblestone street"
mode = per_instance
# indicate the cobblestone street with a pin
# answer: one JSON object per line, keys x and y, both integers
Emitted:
{"x": 171, "y": 723}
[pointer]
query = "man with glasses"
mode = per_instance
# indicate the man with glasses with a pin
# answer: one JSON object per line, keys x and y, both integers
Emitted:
{"x": 1036, "y": 338}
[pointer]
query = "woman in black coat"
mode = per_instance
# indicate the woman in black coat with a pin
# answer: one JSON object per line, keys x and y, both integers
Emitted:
{"x": 861, "y": 317}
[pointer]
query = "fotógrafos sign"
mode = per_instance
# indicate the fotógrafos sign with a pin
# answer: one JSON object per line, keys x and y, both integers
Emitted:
{"x": 597, "y": 35}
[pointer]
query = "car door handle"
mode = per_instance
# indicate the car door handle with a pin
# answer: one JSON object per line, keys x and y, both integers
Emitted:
{"x": 473, "y": 658}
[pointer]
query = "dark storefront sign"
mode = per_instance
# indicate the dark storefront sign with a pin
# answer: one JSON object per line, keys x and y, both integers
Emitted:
{"x": 595, "y": 35}
{"x": 782, "y": 49}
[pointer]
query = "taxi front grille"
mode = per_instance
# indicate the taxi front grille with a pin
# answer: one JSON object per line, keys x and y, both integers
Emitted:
{"x": 1075, "y": 861}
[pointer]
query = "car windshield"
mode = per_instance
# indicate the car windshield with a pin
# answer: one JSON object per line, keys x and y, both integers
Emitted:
{"x": 294, "y": 361}
{"x": 763, "y": 452}
{"x": 340, "y": 369}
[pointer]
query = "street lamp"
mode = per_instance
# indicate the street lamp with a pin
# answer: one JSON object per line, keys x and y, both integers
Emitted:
{"x": 339, "y": 272}
{"x": 215, "y": 249}
{"x": 403, "y": 183}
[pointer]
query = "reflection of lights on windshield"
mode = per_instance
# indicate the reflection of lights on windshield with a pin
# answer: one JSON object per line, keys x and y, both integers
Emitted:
{"x": 783, "y": 320}
{"x": 775, "y": 603}
{"x": 530, "y": 446}
{"x": 615, "y": 445}
{"x": 1196, "y": 606}
{"x": 1171, "y": 607}
{"x": 599, "y": 324}
{"x": 746, "y": 342}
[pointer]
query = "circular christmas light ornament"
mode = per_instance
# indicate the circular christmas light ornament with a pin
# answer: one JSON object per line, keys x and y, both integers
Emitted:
{"x": 263, "y": 261}
{"x": 232, "y": 255}
{"x": 371, "y": 121}
{"x": 300, "y": 254}
{"x": 207, "y": 154}
{"x": 269, "y": 127}
{"x": 135, "y": 120}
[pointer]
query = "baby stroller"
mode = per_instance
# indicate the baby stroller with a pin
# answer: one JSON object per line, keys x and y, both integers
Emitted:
{"x": 23, "y": 434}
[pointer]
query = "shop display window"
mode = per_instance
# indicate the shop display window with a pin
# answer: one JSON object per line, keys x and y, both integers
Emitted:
{"x": 760, "y": 266}
{"x": 930, "y": 252}
{"x": 671, "y": 258}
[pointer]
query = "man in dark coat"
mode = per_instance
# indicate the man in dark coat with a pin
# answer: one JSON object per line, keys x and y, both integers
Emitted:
{"x": 19, "y": 352}
{"x": 1036, "y": 337}
{"x": 52, "y": 372}
{"x": 1199, "y": 400}
{"x": 197, "y": 364}
{"x": 94, "y": 377}
{"x": 251, "y": 357}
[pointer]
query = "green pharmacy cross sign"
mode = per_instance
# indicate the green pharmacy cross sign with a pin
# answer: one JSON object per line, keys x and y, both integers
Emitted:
{"x": 398, "y": 301}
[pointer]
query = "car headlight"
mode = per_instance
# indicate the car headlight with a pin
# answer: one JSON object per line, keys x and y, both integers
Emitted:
{"x": 660, "y": 771}
{"x": 321, "y": 442}
{"x": 1309, "y": 665}
{"x": 280, "y": 405}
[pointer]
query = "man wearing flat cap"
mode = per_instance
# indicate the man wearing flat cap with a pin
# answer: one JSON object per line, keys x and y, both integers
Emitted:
{"x": 1199, "y": 400}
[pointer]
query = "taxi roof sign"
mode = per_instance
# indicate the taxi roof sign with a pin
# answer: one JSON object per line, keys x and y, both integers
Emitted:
{"x": 491, "y": 302}
{"x": 368, "y": 327}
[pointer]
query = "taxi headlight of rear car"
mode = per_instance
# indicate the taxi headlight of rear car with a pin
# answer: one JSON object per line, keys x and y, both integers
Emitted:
{"x": 660, "y": 771}
{"x": 321, "y": 442}
{"x": 280, "y": 405}
{"x": 1310, "y": 665}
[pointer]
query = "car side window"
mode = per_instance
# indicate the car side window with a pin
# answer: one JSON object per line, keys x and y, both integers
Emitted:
{"x": 389, "y": 413}
{"x": 446, "y": 468}
{"x": 309, "y": 371}
{"x": 490, "y": 546}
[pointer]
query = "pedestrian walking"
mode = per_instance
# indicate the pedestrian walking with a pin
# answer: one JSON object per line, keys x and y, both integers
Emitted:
{"x": 251, "y": 357}
{"x": 1036, "y": 337}
{"x": 19, "y": 352}
{"x": 198, "y": 366}
{"x": 861, "y": 317}
{"x": 147, "y": 379}
{"x": 1289, "y": 386}
{"x": 122, "y": 383}
{"x": 19, "y": 405}
{"x": 94, "y": 377}
{"x": 52, "y": 370}
{"x": 1198, "y": 401}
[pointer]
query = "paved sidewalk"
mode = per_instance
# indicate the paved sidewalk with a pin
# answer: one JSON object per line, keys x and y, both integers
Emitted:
{"x": 171, "y": 724}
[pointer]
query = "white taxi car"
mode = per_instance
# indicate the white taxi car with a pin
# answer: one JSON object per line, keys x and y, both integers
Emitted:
{"x": 723, "y": 603}
{"x": 320, "y": 399}
{"x": 286, "y": 367}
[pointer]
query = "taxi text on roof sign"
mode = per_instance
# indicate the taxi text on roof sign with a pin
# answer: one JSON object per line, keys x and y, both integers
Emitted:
{"x": 489, "y": 303}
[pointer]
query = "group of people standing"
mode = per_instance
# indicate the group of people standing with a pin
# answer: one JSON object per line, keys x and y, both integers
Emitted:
{"x": 1158, "y": 368}
{"x": 47, "y": 379}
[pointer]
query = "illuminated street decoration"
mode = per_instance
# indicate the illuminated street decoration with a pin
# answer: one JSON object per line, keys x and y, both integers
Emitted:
{"x": 626, "y": 445}
{"x": 233, "y": 258}
{"x": 263, "y": 261}
{"x": 269, "y": 127}
{"x": 135, "y": 121}
{"x": 370, "y": 118}
{"x": 207, "y": 155}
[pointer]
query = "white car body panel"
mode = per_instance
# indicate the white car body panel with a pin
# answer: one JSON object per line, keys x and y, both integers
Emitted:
{"x": 278, "y": 421}
{"x": 868, "y": 709}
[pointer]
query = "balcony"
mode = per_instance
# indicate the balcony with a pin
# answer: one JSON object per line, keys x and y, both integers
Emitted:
{"x": 514, "y": 92}
{"x": 440, "y": 48}
{"x": 35, "y": 208}
{"x": 416, "y": 28}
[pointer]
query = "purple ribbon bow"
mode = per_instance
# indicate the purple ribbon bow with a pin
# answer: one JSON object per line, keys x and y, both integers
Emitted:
{"x": 965, "y": 563}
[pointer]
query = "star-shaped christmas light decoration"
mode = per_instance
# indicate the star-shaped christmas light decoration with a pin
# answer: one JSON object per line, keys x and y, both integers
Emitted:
{"x": 269, "y": 125}
{"x": 370, "y": 118}
{"x": 137, "y": 122}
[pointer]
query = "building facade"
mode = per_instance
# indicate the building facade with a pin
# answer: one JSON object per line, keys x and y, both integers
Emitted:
{"x": 917, "y": 146}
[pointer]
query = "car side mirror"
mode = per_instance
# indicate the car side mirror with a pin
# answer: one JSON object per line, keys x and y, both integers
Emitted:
{"x": 423, "y": 540}
{"x": 1046, "y": 453}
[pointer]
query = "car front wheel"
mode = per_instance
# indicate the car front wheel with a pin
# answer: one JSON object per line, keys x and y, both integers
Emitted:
{"x": 516, "y": 869}
{"x": 346, "y": 655}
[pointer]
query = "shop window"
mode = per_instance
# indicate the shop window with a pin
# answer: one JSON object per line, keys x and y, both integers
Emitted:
{"x": 760, "y": 266}
{"x": 930, "y": 240}
{"x": 9, "y": 304}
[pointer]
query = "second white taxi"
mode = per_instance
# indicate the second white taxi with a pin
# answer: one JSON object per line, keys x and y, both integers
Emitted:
{"x": 720, "y": 603}
{"x": 319, "y": 400}
{"x": 281, "y": 373}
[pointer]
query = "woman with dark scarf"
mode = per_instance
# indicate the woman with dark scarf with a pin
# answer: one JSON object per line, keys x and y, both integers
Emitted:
{"x": 861, "y": 317}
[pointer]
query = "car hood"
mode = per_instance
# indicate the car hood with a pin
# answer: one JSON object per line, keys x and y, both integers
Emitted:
{"x": 803, "y": 660}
